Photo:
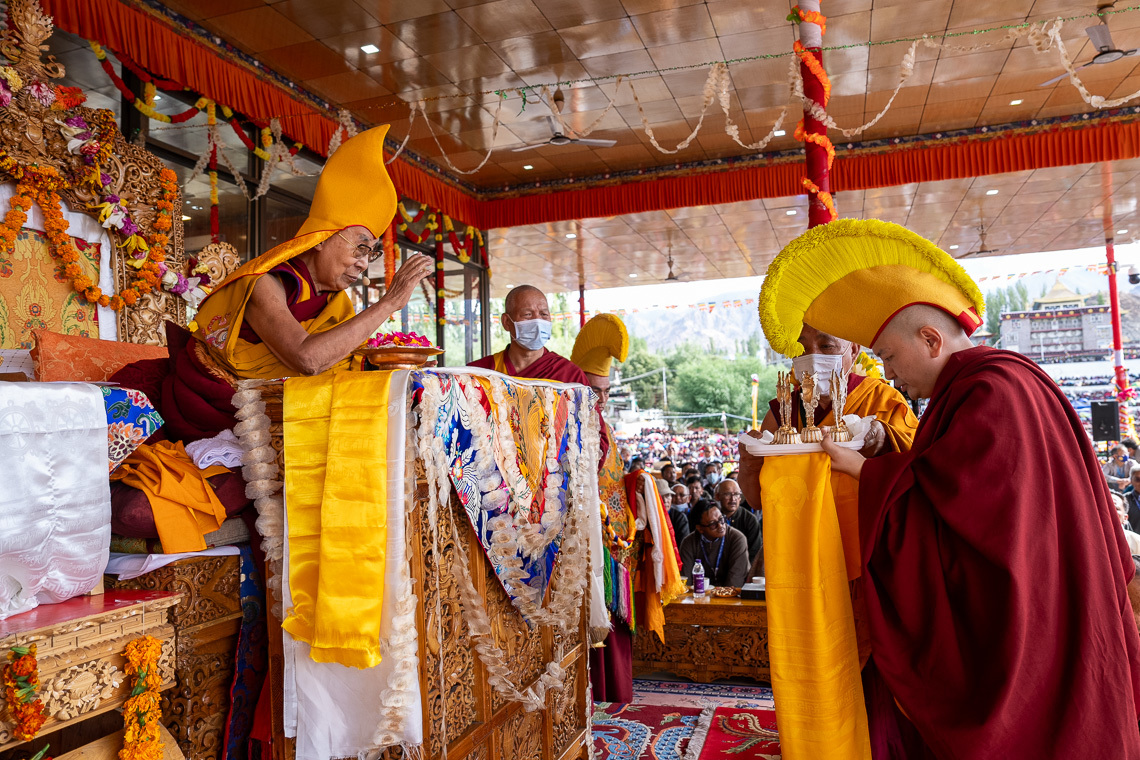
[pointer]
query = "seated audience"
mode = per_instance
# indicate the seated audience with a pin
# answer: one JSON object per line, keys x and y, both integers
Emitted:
{"x": 1118, "y": 467}
{"x": 723, "y": 551}
{"x": 679, "y": 513}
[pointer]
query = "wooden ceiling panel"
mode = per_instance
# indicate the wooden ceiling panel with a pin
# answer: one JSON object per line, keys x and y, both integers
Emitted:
{"x": 502, "y": 19}
{"x": 457, "y": 53}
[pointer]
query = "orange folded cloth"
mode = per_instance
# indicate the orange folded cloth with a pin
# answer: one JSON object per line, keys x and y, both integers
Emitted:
{"x": 184, "y": 504}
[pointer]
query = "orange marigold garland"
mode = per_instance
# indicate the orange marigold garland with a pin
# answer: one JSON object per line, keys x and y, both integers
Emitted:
{"x": 21, "y": 679}
{"x": 93, "y": 139}
{"x": 141, "y": 712}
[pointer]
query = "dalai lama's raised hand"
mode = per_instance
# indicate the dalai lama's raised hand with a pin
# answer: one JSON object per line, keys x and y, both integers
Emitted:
{"x": 875, "y": 442}
{"x": 843, "y": 460}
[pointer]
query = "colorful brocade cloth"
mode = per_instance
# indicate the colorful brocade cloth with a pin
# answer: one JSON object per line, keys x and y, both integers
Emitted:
{"x": 811, "y": 628}
{"x": 336, "y": 428}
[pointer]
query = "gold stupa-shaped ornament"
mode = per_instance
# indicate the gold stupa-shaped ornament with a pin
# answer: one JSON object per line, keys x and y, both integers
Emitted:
{"x": 809, "y": 394}
{"x": 785, "y": 434}
{"x": 840, "y": 433}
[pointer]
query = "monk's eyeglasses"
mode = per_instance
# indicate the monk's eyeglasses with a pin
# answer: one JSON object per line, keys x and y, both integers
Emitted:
{"x": 364, "y": 251}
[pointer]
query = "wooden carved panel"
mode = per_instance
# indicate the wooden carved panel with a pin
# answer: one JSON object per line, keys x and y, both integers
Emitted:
{"x": 195, "y": 711}
{"x": 520, "y": 736}
{"x": 445, "y": 641}
{"x": 209, "y": 588}
{"x": 566, "y": 714}
{"x": 704, "y": 653}
{"x": 523, "y": 647}
{"x": 81, "y": 663}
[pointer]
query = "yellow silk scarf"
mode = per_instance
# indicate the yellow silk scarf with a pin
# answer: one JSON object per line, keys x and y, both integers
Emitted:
{"x": 336, "y": 433}
{"x": 184, "y": 504}
{"x": 811, "y": 628}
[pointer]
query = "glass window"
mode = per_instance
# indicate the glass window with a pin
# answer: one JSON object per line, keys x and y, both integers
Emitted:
{"x": 283, "y": 217}
{"x": 233, "y": 212}
{"x": 82, "y": 69}
{"x": 302, "y": 186}
{"x": 463, "y": 335}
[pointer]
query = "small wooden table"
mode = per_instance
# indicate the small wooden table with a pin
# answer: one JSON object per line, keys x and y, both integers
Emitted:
{"x": 708, "y": 638}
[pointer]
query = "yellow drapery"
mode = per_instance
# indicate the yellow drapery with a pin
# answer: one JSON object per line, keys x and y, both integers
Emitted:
{"x": 33, "y": 297}
{"x": 871, "y": 398}
{"x": 811, "y": 628}
{"x": 336, "y": 432}
{"x": 185, "y": 506}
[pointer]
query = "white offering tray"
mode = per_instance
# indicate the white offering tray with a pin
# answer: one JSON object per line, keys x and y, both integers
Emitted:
{"x": 763, "y": 446}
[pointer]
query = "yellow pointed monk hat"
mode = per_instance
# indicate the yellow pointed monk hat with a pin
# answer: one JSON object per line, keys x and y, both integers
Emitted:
{"x": 601, "y": 340}
{"x": 353, "y": 190}
{"x": 850, "y": 277}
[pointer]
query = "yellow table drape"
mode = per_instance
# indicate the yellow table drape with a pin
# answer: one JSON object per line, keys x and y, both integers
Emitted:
{"x": 336, "y": 432}
{"x": 811, "y": 628}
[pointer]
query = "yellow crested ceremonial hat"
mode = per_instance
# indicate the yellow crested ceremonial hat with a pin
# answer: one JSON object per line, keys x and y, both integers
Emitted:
{"x": 601, "y": 340}
{"x": 353, "y": 190}
{"x": 850, "y": 277}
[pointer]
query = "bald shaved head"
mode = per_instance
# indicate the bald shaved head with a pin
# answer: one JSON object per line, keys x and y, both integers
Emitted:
{"x": 909, "y": 321}
{"x": 916, "y": 345}
{"x": 520, "y": 296}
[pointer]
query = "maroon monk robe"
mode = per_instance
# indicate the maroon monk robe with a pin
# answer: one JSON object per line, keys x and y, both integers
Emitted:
{"x": 196, "y": 403}
{"x": 995, "y": 574}
{"x": 549, "y": 366}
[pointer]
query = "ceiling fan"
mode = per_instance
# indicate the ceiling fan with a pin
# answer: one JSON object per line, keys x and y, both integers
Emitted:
{"x": 983, "y": 249}
{"x": 672, "y": 277}
{"x": 1101, "y": 39}
{"x": 557, "y": 137}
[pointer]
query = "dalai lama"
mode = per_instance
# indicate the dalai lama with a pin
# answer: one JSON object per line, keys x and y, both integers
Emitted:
{"x": 994, "y": 572}
{"x": 526, "y": 316}
{"x": 298, "y": 320}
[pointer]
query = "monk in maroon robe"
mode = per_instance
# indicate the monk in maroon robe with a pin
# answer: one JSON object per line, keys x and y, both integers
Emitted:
{"x": 526, "y": 316}
{"x": 196, "y": 397}
{"x": 994, "y": 574}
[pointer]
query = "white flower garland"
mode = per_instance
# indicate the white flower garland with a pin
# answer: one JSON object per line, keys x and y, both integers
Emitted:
{"x": 263, "y": 481}
{"x": 403, "y": 640}
{"x": 566, "y": 602}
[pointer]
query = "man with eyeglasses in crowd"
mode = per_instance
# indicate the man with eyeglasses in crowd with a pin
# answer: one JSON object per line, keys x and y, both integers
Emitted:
{"x": 722, "y": 550}
{"x": 728, "y": 498}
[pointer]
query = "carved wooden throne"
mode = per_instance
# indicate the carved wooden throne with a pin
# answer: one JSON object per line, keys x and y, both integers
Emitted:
{"x": 35, "y": 143}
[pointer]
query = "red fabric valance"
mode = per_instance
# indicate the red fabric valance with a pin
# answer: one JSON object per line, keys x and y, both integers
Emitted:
{"x": 164, "y": 51}
{"x": 914, "y": 162}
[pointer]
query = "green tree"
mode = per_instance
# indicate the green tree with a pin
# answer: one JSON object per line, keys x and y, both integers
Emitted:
{"x": 996, "y": 303}
{"x": 639, "y": 361}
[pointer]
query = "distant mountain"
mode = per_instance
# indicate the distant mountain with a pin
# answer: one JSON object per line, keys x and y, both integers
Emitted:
{"x": 665, "y": 329}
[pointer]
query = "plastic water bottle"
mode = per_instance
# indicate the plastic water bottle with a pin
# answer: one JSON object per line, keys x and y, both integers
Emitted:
{"x": 698, "y": 579}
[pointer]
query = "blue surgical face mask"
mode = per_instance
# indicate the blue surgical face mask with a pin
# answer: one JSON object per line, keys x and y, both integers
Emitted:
{"x": 532, "y": 334}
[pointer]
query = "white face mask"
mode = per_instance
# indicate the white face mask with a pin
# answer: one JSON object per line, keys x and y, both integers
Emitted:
{"x": 822, "y": 365}
{"x": 532, "y": 334}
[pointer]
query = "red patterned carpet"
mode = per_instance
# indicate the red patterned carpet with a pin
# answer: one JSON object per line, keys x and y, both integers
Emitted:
{"x": 674, "y": 720}
{"x": 630, "y": 732}
{"x": 748, "y": 734}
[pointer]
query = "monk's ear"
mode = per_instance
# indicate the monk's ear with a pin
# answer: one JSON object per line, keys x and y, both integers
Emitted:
{"x": 931, "y": 340}
{"x": 503, "y": 321}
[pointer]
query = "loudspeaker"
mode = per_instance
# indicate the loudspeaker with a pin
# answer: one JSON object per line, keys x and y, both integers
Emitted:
{"x": 1106, "y": 420}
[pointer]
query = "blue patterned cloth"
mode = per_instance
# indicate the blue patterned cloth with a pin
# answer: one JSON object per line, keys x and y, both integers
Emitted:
{"x": 454, "y": 428}
{"x": 131, "y": 419}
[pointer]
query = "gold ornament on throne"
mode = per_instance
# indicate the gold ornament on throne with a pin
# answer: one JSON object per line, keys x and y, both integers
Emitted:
{"x": 60, "y": 154}
{"x": 809, "y": 393}
{"x": 216, "y": 261}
